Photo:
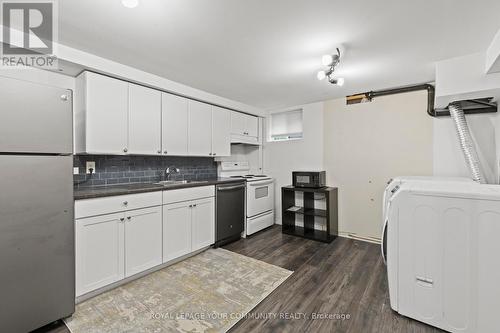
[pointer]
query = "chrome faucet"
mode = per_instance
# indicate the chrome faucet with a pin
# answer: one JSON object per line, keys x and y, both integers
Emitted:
{"x": 171, "y": 170}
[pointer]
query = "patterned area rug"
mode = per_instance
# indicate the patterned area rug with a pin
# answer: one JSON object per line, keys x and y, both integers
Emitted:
{"x": 209, "y": 292}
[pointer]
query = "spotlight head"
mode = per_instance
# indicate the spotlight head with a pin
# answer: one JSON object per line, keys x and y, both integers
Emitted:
{"x": 327, "y": 60}
{"x": 321, "y": 75}
{"x": 130, "y": 3}
{"x": 339, "y": 82}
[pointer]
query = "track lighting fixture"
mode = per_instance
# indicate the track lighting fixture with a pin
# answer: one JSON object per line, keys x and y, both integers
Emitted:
{"x": 331, "y": 61}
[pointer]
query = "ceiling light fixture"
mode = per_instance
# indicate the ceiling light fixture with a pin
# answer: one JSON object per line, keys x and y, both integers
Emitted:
{"x": 331, "y": 61}
{"x": 130, "y": 3}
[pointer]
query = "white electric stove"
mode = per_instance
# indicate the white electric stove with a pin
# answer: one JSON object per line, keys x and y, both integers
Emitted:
{"x": 259, "y": 195}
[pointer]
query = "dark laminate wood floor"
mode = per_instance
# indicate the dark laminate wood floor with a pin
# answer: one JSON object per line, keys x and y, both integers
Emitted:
{"x": 345, "y": 277}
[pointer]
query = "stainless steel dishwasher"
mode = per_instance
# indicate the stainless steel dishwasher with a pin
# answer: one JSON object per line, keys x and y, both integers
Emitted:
{"x": 230, "y": 212}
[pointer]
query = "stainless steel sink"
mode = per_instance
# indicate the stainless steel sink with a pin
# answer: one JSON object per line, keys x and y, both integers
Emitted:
{"x": 179, "y": 182}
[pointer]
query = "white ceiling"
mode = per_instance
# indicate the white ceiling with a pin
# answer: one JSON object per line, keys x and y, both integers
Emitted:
{"x": 266, "y": 52}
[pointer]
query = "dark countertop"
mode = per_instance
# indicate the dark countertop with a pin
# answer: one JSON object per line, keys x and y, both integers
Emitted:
{"x": 111, "y": 190}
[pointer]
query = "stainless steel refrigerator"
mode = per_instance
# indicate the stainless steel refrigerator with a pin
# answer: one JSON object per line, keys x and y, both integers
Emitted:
{"x": 37, "y": 254}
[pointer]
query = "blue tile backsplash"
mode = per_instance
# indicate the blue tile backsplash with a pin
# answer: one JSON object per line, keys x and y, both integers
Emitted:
{"x": 112, "y": 170}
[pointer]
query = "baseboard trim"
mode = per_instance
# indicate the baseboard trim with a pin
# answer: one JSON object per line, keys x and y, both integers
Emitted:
{"x": 360, "y": 238}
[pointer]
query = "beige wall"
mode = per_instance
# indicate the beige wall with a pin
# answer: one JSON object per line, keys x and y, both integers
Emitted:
{"x": 281, "y": 158}
{"x": 367, "y": 144}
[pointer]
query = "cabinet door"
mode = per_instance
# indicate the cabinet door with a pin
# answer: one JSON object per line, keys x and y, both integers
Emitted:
{"x": 99, "y": 252}
{"x": 251, "y": 126}
{"x": 143, "y": 240}
{"x": 174, "y": 125}
{"x": 144, "y": 125}
{"x": 176, "y": 230}
{"x": 200, "y": 129}
{"x": 203, "y": 223}
{"x": 106, "y": 115}
{"x": 238, "y": 125}
{"x": 221, "y": 132}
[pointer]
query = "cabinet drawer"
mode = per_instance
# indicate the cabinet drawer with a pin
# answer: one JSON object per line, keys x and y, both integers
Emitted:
{"x": 99, "y": 206}
{"x": 187, "y": 194}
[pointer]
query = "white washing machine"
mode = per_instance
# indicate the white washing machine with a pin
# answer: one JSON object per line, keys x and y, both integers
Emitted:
{"x": 443, "y": 254}
{"x": 393, "y": 186}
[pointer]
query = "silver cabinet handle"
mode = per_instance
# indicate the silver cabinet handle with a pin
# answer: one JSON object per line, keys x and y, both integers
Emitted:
{"x": 64, "y": 98}
{"x": 424, "y": 280}
{"x": 125, "y": 150}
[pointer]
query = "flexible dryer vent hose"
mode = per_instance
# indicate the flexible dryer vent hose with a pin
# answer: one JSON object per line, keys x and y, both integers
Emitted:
{"x": 466, "y": 143}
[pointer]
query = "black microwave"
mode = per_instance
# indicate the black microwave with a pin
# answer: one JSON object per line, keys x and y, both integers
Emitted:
{"x": 314, "y": 179}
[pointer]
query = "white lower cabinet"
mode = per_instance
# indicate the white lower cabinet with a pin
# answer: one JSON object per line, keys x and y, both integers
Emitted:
{"x": 99, "y": 252}
{"x": 202, "y": 224}
{"x": 176, "y": 230}
{"x": 143, "y": 240}
{"x": 188, "y": 226}
{"x": 112, "y": 247}
{"x": 121, "y": 236}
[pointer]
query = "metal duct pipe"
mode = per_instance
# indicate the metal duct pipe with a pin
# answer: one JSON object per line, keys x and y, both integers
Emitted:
{"x": 466, "y": 143}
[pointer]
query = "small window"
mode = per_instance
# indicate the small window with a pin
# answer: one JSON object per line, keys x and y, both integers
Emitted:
{"x": 285, "y": 126}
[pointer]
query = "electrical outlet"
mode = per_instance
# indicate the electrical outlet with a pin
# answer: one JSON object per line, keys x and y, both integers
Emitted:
{"x": 76, "y": 170}
{"x": 90, "y": 165}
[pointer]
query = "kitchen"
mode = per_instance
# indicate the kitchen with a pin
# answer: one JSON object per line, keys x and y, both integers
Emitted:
{"x": 165, "y": 191}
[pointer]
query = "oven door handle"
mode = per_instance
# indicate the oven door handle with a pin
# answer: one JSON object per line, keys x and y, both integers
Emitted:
{"x": 229, "y": 188}
{"x": 260, "y": 183}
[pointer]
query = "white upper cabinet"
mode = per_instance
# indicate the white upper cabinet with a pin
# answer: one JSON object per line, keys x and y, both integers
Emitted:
{"x": 221, "y": 132}
{"x": 144, "y": 122}
{"x": 174, "y": 125}
{"x": 200, "y": 129}
{"x": 116, "y": 117}
{"x": 244, "y": 128}
{"x": 101, "y": 115}
{"x": 238, "y": 123}
{"x": 252, "y": 126}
